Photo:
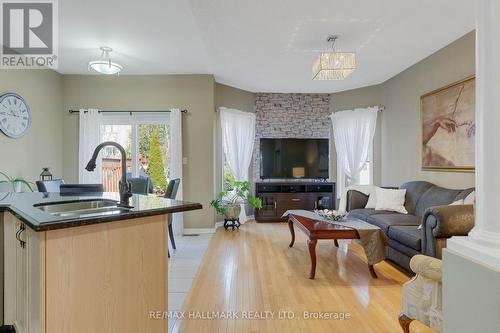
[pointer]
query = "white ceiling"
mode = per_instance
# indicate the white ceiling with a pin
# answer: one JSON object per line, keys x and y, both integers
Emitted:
{"x": 259, "y": 45}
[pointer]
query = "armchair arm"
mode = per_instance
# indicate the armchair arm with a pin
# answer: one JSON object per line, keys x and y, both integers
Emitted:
{"x": 422, "y": 295}
{"x": 428, "y": 267}
{"x": 355, "y": 200}
{"x": 442, "y": 222}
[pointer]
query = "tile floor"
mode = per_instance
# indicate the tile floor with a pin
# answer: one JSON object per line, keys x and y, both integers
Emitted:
{"x": 182, "y": 268}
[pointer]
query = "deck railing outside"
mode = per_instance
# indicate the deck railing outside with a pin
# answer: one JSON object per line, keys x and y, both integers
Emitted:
{"x": 112, "y": 173}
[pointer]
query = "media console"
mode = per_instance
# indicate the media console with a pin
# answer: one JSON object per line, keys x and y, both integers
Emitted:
{"x": 278, "y": 197}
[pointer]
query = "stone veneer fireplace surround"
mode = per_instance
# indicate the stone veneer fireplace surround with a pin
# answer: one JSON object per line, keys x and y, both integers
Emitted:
{"x": 280, "y": 115}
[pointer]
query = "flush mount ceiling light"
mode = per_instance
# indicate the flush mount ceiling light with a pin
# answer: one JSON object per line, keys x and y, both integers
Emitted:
{"x": 104, "y": 65}
{"x": 333, "y": 65}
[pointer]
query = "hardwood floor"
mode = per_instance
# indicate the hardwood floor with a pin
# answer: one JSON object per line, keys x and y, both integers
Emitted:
{"x": 252, "y": 269}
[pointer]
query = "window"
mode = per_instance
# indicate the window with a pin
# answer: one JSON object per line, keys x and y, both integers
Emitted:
{"x": 111, "y": 157}
{"x": 146, "y": 139}
{"x": 227, "y": 175}
{"x": 153, "y": 154}
{"x": 237, "y": 133}
{"x": 365, "y": 177}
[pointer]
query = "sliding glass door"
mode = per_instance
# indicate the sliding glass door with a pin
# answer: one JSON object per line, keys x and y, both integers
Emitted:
{"x": 153, "y": 154}
{"x": 111, "y": 158}
{"x": 146, "y": 139}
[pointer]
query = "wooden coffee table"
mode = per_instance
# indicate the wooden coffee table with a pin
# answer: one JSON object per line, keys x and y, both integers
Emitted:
{"x": 314, "y": 230}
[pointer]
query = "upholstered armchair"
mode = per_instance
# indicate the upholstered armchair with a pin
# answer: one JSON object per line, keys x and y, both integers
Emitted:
{"x": 422, "y": 295}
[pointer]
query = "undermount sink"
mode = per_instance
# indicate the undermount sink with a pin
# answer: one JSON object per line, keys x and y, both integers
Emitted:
{"x": 82, "y": 208}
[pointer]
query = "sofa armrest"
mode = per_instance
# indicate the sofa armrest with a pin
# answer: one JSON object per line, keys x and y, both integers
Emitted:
{"x": 442, "y": 222}
{"x": 428, "y": 267}
{"x": 355, "y": 200}
{"x": 448, "y": 221}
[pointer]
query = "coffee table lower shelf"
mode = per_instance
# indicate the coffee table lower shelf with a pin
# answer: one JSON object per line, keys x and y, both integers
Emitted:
{"x": 316, "y": 230}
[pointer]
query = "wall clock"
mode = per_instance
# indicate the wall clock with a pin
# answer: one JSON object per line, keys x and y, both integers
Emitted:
{"x": 15, "y": 116}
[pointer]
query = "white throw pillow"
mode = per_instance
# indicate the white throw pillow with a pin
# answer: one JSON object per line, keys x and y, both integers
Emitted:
{"x": 391, "y": 200}
{"x": 470, "y": 199}
{"x": 372, "y": 198}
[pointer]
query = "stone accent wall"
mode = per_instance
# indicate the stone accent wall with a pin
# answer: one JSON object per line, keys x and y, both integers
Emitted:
{"x": 289, "y": 116}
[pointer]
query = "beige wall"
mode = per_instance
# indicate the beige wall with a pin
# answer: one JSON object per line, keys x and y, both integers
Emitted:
{"x": 401, "y": 128}
{"x": 398, "y": 135}
{"x": 359, "y": 98}
{"x": 235, "y": 98}
{"x": 42, "y": 145}
{"x": 153, "y": 92}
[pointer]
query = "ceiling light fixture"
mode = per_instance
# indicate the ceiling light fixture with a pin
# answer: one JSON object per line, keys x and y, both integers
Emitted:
{"x": 104, "y": 65}
{"x": 333, "y": 65}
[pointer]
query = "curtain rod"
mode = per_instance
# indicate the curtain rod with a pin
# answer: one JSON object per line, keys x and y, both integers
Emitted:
{"x": 136, "y": 111}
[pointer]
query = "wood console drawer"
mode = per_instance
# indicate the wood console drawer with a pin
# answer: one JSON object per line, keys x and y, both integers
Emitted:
{"x": 288, "y": 201}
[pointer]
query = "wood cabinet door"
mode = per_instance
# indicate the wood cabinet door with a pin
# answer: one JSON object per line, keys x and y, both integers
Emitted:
{"x": 323, "y": 201}
{"x": 16, "y": 274}
{"x": 10, "y": 272}
{"x": 268, "y": 205}
{"x": 22, "y": 271}
{"x": 23, "y": 278}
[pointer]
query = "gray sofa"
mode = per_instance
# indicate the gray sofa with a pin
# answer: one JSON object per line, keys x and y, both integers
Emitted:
{"x": 427, "y": 204}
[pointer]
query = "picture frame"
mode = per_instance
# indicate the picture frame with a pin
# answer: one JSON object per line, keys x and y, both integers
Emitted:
{"x": 447, "y": 120}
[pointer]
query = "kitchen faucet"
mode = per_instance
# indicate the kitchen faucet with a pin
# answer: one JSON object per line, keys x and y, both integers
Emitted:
{"x": 124, "y": 185}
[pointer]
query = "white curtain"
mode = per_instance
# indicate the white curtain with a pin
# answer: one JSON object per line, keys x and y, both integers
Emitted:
{"x": 90, "y": 138}
{"x": 353, "y": 131}
{"x": 176, "y": 163}
{"x": 238, "y": 136}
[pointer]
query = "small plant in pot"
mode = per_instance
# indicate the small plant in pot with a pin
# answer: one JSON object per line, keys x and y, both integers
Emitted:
{"x": 229, "y": 203}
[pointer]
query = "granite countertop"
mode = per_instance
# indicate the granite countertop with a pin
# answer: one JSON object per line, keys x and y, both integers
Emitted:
{"x": 23, "y": 206}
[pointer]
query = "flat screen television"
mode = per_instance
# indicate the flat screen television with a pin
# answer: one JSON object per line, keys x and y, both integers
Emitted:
{"x": 294, "y": 158}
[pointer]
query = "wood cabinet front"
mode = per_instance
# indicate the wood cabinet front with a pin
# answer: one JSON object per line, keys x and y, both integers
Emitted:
{"x": 288, "y": 201}
{"x": 23, "y": 277}
{"x": 278, "y": 197}
{"x": 106, "y": 277}
{"x": 269, "y": 205}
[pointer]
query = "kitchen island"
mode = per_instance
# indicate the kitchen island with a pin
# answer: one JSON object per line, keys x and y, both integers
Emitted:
{"x": 85, "y": 264}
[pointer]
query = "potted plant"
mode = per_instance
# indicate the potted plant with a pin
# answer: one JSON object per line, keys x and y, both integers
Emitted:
{"x": 229, "y": 203}
{"x": 16, "y": 183}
